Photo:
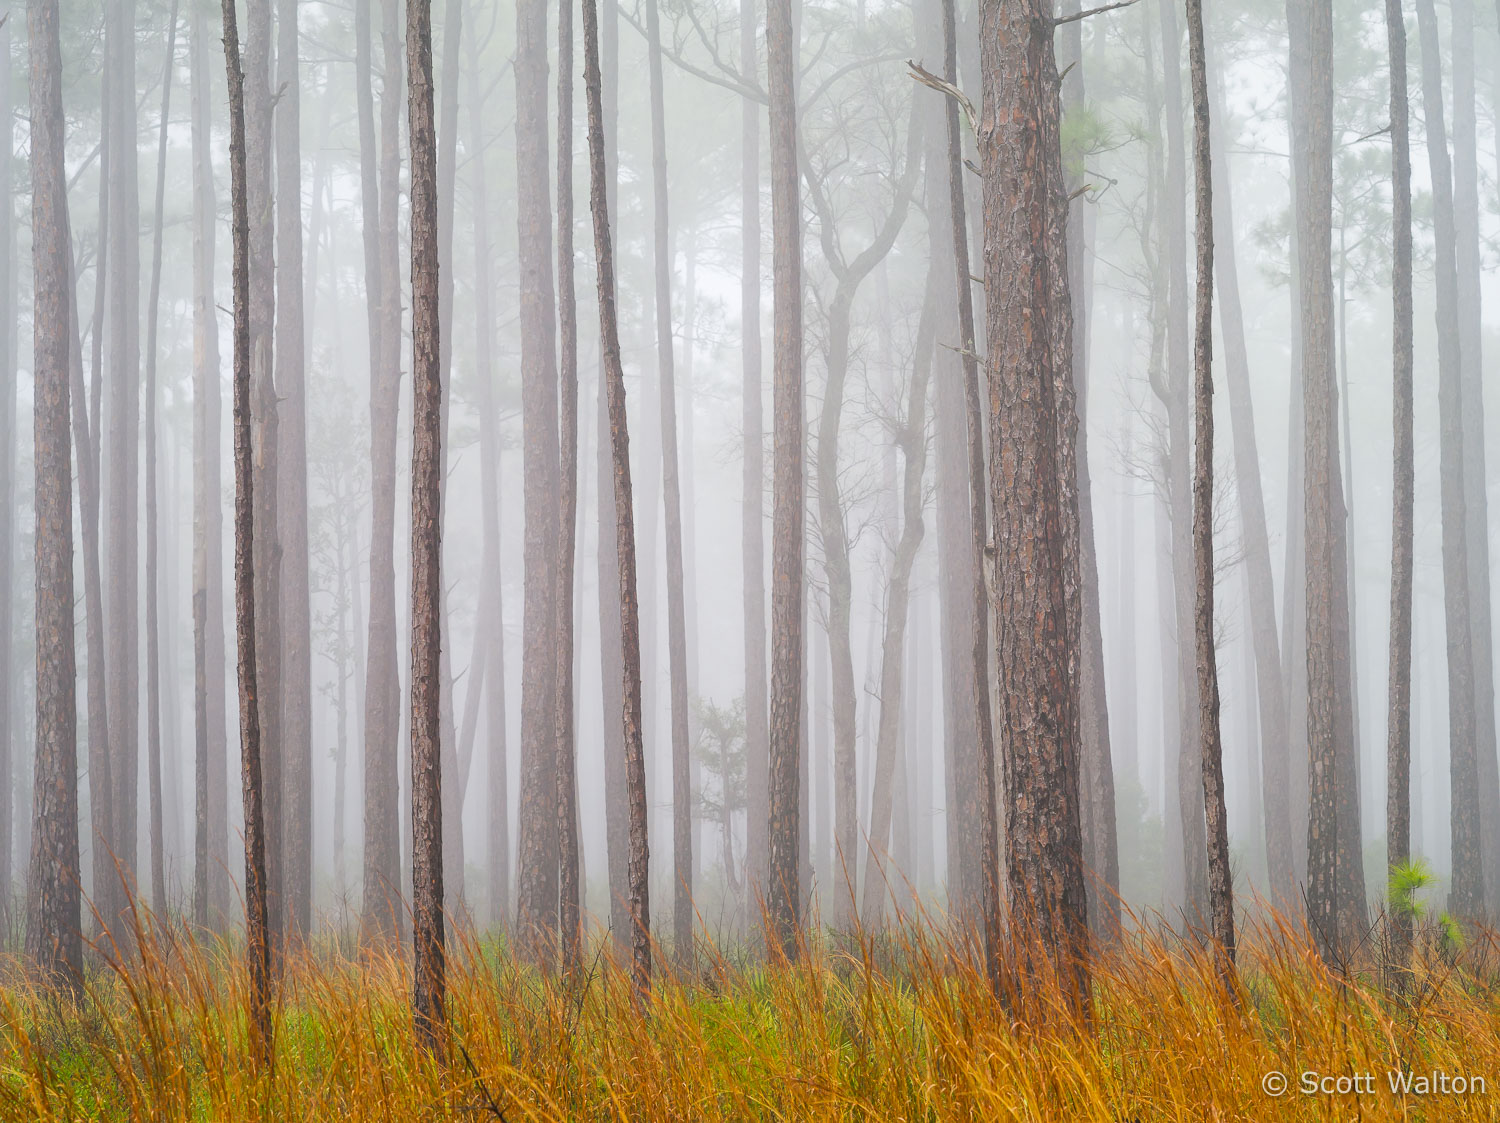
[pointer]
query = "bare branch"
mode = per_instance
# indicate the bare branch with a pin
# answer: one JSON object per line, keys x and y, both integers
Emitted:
{"x": 1091, "y": 12}
{"x": 932, "y": 81}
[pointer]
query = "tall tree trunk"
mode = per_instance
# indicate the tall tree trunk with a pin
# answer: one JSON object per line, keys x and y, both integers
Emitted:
{"x": 1334, "y": 856}
{"x": 911, "y": 437}
{"x": 1211, "y": 749}
{"x": 1403, "y": 471}
{"x": 614, "y": 376}
{"x": 788, "y": 518}
{"x": 1476, "y": 490}
{"x": 1028, "y": 363}
{"x": 1191, "y": 896}
{"x": 259, "y": 107}
{"x": 537, "y": 905}
{"x": 1270, "y": 687}
{"x": 753, "y": 482}
{"x": 979, "y": 789}
{"x": 1101, "y": 844}
{"x": 379, "y": 178}
{"x": 257, "y": 935}
{"x": 567, "y": 769}
{"x": 291, "y": 385}
{"x": 1467, "y": 892}
{"x": 211, "y": 880}
{"x": 682, "y": 821}
{"x": 54, "y": 940}
{"x": 153, "y": 638}
{"x": 121, "y": 504}
{"x": 493, "y": 622}
{"x": 426, "y": 541}
{"x": 8, "y": 384}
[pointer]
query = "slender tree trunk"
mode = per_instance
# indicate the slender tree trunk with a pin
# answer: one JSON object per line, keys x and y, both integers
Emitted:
{"x": 291, "y": 386}
{"x": 1211, "y": 749}
{"x": 567, "y": 769}
{"x": 614, "y": 376}
{"x": 537, "y": 906}
{"x": 1466, "y": 895}
{"x": 383, "y": 909}
{"x": 8, "y": 384}
{"x": 682, "y": 822}
{"x": 787, "y": 538}
{"x": 426, "y": 542}
{"x": 911, "y": 438}
{"x": 1270, "y": 687}
{"x": 1040, "y": 721}
{"x": 153, "y": 638}
{"x": 211, "y": 866}
{"x": 752, "y": 548}
{"x": 493, "y": 621}
{"x": 1476, "y": 490}
{"x": 121, "y": 504}
{"x": 1192, "y": 894}
{"x": 54, "y": 941}
{"x": 257, "y": 936}
{"x": 1403, "y": 489}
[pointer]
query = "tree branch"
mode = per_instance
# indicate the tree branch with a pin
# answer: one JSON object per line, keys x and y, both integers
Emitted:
{"x": 1091, "y": 12}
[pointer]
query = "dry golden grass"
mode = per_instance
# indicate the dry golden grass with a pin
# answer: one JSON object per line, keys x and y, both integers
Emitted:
{"x": 896, "y": 1029}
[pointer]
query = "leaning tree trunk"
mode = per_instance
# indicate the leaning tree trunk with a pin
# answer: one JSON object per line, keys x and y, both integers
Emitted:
{"x": 788, "y": 499}
{"x": 682, "y": 794}
{"x": 54, "y": 940}
{"x": 753, "y": 483}
{"x": 1403, "y": 489}
{"x": 1467, "y": 893}
{"x": 614, "y": 376}
{"x": 257, "y": 936}
{"x": 153, "y": 637}
{"x": 426, "y": 543}
{"x": 911, "y": 438}
{"x": 211, "y": 880}
{"x": 538, "y": 843}
{"x": 379, "y": 179}
{"x": 291, "y": 384}
{"x": 1476, "y": 491}
{"x": 1027, "y": 369}
{"x": 1211, "y": 749}
{"x": 1270, "y": 686}
{"x": 567, "y": 523}
{"x": 121, "y": 504}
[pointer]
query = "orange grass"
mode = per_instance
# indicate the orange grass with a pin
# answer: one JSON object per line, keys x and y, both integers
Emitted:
{"x": 898, "y": 1028}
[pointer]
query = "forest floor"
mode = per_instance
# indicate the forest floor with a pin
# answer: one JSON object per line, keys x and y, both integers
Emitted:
{"x": 901, "y": 1028}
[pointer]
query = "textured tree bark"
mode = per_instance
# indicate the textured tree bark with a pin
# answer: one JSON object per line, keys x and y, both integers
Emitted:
{"x": 1476, "y": 496}
{"x": 1467, "y": 892}
{"x": 638, "y": 898}
{"x": 752, "y": 548}
{"x": 911, "y": 438}
{"x": 380, "y": 176}
{"x": 8, "y": 357}
{"x": 257, "y": 936}
{"x": 682, "y": 793}
{"x": 567, "y": 768}
{"x": 54, "y": 940}
{"x": 1211, "y": 749}
{"x": 1403, "y": 471}
{"x": 428, "y": 990}
{"x": 1101, "y": 844}
{"x": 291, "y": 386}
{"x": 211, "y": 881}
{"x": 153, "y": 630}
{"x": 121, "y": 504}
{"x": 1270, "y": 686}
{"x": 788, "y": 499}
{"x": 1191, "y": 895}
{"x": 537, "y": 906}
{"x": 1029, "y": 365}
{"x": 1334, "y": 858}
